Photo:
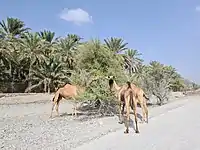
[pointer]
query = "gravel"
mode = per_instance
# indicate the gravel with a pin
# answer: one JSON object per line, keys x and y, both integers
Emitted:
{"x": 175, "y": 129}
{"x": 25, "y": 124}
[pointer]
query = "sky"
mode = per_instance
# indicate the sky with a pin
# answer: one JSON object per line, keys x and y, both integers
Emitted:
{"x": 164, "y": 30}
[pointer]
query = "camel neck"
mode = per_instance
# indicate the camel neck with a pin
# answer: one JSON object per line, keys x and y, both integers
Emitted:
{"x": 116, "y": 86}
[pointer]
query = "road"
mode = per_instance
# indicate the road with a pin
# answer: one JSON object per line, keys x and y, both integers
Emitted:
{"x": 177, "y": 129}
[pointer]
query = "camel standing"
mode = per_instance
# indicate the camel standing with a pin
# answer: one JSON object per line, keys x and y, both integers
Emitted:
{"x": 139, "y": 95}
{"x": 119, "y": 93}
{"x": 130, "y": 102}
{"x": 68, "y": 91}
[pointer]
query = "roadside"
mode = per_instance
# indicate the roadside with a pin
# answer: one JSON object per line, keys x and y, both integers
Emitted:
{"x": 28, "y": 125}
{"x": 175, "y": 129}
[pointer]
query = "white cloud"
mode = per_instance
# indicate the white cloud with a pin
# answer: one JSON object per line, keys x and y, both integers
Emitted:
{"x": 77, "y": 16}
{"x": 198, "y": 8}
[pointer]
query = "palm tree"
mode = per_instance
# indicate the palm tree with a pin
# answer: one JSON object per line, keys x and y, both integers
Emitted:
{"x": 50, "y": 40}
{"x": 5, "y": 55}
{"x": 116, "y": 45}
{"x": 51, "y": 73}
{"x": 12, "y": 27}
{"x": 33, "y": 48}
{"x": 132, "y": 60}
{"x": 66, "y": 48}
{"x": 47, "y": 35}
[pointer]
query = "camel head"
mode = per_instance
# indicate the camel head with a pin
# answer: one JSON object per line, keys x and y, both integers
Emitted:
{"x": 111, "y": 81}
{"x": 110, "y": 77}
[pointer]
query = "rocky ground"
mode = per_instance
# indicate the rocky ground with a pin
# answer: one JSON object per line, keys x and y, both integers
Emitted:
{"x": 25, "y": 123}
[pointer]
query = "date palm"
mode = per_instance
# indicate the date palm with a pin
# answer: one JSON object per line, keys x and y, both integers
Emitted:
{"x": 5, "y": 55}
{"x": 50, "y": 74}
{"x": 33, "y": 48}
{"x": 50, "y": 40}
{"x": 132, "y": 60}
{"x": 12, "y": 27}
{"x": 9, "y": 29}
{"x": 66, "y": 48}
{"x": 117, "y": 45}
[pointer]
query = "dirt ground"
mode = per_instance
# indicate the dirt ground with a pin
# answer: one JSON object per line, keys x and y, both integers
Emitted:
{"x": 25, "y": 124}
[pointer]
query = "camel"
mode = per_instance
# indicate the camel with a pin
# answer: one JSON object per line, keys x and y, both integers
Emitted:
{"x": 68, "y": 91}
{"x": 130, "y": 102}
{"x": 139, "y": 96}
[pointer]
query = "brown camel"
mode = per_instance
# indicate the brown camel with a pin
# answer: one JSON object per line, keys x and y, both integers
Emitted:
{"x": 119, "y": 93}
{"x": 68, "y": 91}
{"x": 139, "y": 96}
{"x": 130, "y": 102}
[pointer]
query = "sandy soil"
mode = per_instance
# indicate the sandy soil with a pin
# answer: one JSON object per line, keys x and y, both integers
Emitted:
{"x": 25, "y": 123}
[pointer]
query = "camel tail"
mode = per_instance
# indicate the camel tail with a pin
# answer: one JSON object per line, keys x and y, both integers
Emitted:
{"x": 144, "y": 95}
{"x": 56, "y": 96}
{"x": 131, "y": 94}
{"x": 53, "y": 99}
{"x": 129, "y": 84}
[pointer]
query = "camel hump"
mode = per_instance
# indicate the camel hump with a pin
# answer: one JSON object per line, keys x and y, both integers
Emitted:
{"x": 129, "y": 84}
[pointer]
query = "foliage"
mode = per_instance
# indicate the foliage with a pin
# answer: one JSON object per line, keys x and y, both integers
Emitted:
{"x": 43, "y": 62}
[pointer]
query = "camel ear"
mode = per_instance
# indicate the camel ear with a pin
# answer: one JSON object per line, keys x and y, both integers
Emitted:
{"x": 111, "y": 77}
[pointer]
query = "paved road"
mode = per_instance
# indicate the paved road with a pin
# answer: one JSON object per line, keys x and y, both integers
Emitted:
{"x": 177, "y": 129}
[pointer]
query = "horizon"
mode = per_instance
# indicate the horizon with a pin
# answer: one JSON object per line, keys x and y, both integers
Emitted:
{"x": 166, "y": 31}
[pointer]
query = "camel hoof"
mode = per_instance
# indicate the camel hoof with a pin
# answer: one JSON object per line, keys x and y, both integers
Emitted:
{"x": 126, "y": 132}
{"x": 120, "y": 122}
{"x": 137, "y": 131}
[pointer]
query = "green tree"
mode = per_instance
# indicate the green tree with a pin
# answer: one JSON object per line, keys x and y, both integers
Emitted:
{"x": 132, "y": 61}
{"x": 66, "y": 48}
{"x": 117, "y": 45}
{"x": 12, "y": 27}
{"x": 50, "y": 74}
{"x": 33, "y": 48}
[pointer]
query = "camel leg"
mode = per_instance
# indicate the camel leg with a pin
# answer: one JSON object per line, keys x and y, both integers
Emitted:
{"x": 146, "y": 111}
{"x": 57, "y": 105}
{"x": 121, "y": 112}
{"x": 74, "y": 112}
{"x": 53, "y": 104}
{"x": 121, "y": 108}
{"x": 141, "y": 101}
{"x": 127, "y": 114}
{"x": 135, "y": 115}
{"x": 55, "y": 99}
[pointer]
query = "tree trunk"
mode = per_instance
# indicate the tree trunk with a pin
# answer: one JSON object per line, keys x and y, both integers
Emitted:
{"x": 29, "y": 77}
{"x": 45, "y": 86}
{"x": 49, "y": 88}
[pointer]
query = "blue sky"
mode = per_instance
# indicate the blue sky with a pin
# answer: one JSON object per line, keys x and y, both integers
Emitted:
{"x": 163, "y": 30}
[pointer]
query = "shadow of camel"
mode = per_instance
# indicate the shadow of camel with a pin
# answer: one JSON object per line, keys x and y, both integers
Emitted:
{"x": 70, "y": 114}
{"x": 85, "y": 116}
{"x": 131, "y": 122}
